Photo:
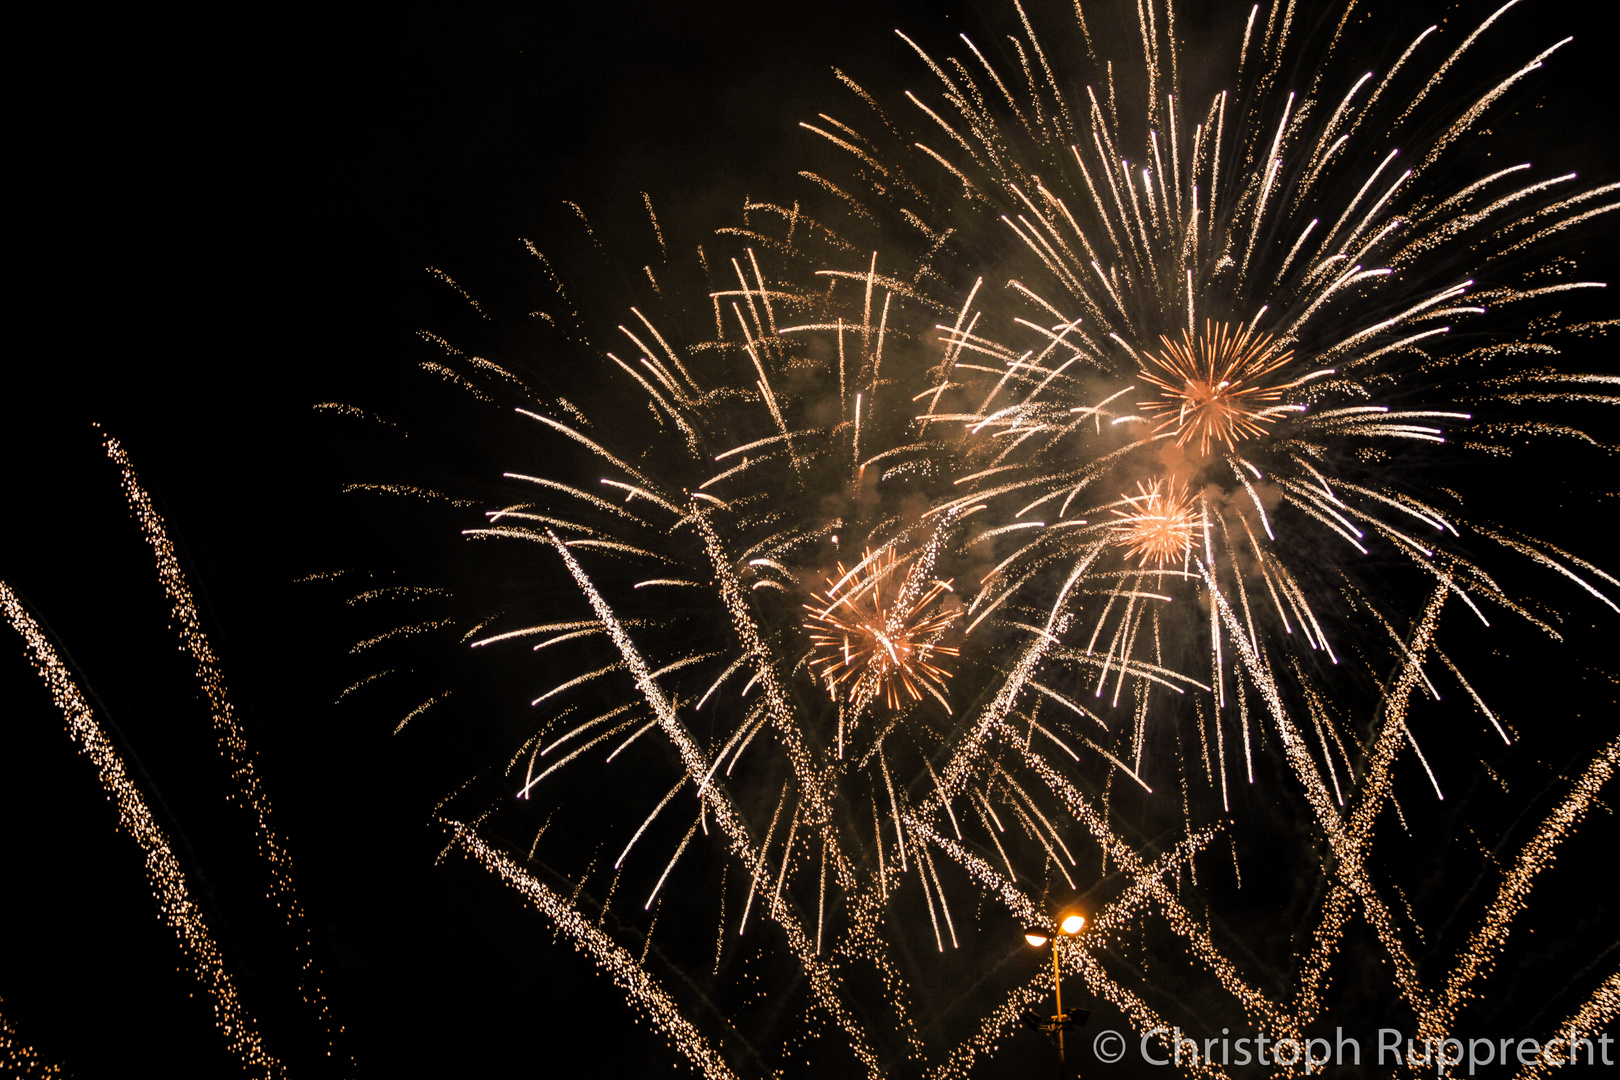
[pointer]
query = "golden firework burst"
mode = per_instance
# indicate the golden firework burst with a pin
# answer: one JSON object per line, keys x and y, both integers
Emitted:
{"x": 873, "y": 632}
{"x": 1214, "y": 386}
{"x": 1156, "y": 526}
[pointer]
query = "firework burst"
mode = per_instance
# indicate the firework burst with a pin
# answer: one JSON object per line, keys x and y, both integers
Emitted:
{"x": 872, "y": 630}
{"x": 827, "y": 395}
{"x": 1215, "y": 387}
{"x": 1156, "y": 526}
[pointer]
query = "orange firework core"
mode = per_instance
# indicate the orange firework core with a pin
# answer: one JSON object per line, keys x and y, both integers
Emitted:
{"x": 1214, "y": 387}
{"x": 873, "y": 632}
{"x": 1156, "y": 526}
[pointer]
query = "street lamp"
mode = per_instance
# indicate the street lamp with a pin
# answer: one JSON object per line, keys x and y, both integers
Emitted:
{"x": 1068, "y": 926}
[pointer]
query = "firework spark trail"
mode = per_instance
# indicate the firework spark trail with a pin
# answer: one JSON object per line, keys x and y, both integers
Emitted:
{"x": 998, "y": 1022}
{"x": 628, "y": 973}
{"x": 781, "y": 713}
{"x": 20, "y": 1059}
{"x": 1594, "y": 1016}
{"x": 1478, "y": 957}
{"x": 1151, "y": 881}
{"x": 821, "y": 976}
{"x": 1350, "y": 853}
{"x": 233, "y": 744}
{"x": 1338, "y": 907}
{"x": 865, "y": 908}
{"x": 1020, "y": 905}
{"x": 1356, "y": 838}
{"x": 964, "y": 756}
{"x": 691, "y": 756}
{"x": 163, "y": 872}
{"x": 1142, "y": 1016}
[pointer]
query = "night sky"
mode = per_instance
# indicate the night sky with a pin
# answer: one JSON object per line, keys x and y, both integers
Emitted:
{"x": 227, "y": 219}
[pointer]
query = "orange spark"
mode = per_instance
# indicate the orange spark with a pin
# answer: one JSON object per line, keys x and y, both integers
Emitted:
{"x": 1157, "y": 525}
{"x": 1213, "y": 386}
{"x": 876, "y": 632}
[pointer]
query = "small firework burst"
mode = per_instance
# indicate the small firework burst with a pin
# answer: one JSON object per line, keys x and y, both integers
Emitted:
{"x": 877, "y": 631}
{"x": 1156, "y": 526}
{"x": 1213, "y": 387}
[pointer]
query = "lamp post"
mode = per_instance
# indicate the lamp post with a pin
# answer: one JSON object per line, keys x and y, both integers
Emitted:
{"x": 1068, "y": 926}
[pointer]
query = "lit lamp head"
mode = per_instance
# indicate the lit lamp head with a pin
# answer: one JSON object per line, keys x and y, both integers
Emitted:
{"x": 1072, "y": 924}
{"x": 1037, "y": 938}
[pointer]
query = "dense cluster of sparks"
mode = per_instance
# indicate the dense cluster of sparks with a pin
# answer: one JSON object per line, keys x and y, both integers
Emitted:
{"x": 1157, "y": 525}
{"x": 1137, "y": 623}
{"x": 1217, "y": 388}
{"x": 876, "y": 632}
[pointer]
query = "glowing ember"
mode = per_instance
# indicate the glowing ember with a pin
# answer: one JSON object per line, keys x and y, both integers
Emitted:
{"x": 873, "y": 632}
{"x": 1213, "y": 386}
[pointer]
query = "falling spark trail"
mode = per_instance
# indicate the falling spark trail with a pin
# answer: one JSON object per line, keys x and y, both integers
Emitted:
{"x": 163, "y": 872}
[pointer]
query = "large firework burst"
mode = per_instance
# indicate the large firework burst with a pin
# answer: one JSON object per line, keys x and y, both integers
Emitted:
{"x": 1260, "y": 558}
